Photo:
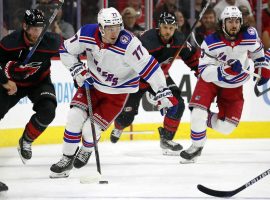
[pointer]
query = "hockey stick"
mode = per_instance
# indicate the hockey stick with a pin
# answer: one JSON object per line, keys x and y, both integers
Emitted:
{"x": 191, "y": 30}
{"x": 45, "y": 28}
{"x": 258, "y": 92}
{"x": 231, "y": 193}
{"x": 96, "y": 177}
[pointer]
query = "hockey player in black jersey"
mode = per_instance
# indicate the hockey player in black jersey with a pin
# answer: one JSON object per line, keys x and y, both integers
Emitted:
{"x": 162, "y": 43}
{"x": 31, "y": 80}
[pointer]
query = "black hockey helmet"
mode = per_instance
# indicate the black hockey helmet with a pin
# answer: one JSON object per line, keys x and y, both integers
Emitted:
{"x": 167, "y": 18}
{"x": 34, "y": 17}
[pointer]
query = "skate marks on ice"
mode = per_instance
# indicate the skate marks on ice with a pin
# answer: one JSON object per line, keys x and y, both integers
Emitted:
{"x": 138, "y": 170}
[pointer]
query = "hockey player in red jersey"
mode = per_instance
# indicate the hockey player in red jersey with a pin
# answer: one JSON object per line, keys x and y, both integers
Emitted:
{"x": 162, "y": 44}
{"x": 31, "y": 80}
{"x": 224, "y": 56}
{"x": 116, "y": 60}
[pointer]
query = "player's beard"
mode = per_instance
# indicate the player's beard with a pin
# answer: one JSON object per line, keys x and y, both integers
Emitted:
{"x": 166, "y": 37}
{"x": 31, "y": 39}
{"x": 233, "y": 32}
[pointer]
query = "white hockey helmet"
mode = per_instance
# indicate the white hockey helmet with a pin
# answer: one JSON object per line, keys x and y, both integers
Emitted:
{"x": 108, "y": 17}
{"x": 227, "y": 13}
{"x": 231, "y": 12}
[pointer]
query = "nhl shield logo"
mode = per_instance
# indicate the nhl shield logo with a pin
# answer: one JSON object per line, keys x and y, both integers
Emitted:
{"x": 124, "y": 39}
{"x": 251, "y": 31}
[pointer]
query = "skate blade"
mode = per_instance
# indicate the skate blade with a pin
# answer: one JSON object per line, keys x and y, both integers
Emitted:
{"x": 60, "y": 175}
{"x": 168, "y": 152}
{"x": 24, "y": 161}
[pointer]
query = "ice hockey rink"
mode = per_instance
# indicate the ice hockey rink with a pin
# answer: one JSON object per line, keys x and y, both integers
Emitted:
{"x": 137, "y": 170}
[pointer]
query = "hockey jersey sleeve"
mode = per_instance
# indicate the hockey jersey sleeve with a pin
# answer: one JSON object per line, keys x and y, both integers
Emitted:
{"x": 145, "y": 65}
{"x": 70, "y": 50}
{"x": 257, "y": 51}
{"x": 190, "y": 55}
{"x": 208, "y": 65}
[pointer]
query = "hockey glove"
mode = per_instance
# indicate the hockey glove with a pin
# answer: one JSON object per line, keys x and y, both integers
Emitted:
{"x": 166, "y": 102}
{"x": 264, "y": 73}
{"x": 80, "y": 73}
{"x": 233, "y": 68}
{"x": 18, "y": 72}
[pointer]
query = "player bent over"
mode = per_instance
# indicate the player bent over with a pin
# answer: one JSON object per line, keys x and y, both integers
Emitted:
{"x": 232, "y": 44}
{"x": 31, "y": 80}
{"x": 116, "y": 60}
{"x": 162, "y": 44}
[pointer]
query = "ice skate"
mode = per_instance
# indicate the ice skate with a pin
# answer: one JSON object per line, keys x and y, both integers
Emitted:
{"x": 62, "y": 168}
{"x": 169, "y": 147}
{"x": 115, "y": 135}
{"x": 25, "y": 150}
{"x": 3, "y": 187}
{"x": 81, "y": 158}
{"x": 191, "y": 154}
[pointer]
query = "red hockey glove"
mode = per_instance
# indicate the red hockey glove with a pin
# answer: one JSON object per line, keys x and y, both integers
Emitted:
{"x": 264, "y": 73}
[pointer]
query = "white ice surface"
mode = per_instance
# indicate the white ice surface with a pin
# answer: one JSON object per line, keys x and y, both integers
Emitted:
{"x": 137, "y": 170}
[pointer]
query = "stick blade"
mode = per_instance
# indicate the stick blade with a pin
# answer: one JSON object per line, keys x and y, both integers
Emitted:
{"x": 91, "y": 178}
{"x": 258, "y": 92}
{"x": 215, "y": 193}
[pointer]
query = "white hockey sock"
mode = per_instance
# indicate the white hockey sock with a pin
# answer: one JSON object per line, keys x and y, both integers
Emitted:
{"x": 198, "y": 126}
{"x": 73, "y": 131}
{"x": 224, "y": 127}
{"x": 88, "y": 143}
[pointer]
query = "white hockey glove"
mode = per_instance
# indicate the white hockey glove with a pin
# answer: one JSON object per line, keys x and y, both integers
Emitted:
{"x": 166, "y": 102}
{"x": 80, "y": 73}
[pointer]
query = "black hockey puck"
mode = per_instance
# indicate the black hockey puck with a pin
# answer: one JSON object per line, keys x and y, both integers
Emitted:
{"x": 103, "y": 182}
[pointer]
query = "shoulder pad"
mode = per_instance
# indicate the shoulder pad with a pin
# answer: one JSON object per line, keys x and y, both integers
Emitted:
{"x": 89, "y": 30}
{"x": 250, "y": 33}
{"x": 13, "y": 41}
{"x": 150, "y": 39}
{"x": 212, "y": 38}
{"x": 124, "y": 39}
{"x": 179, "y": 38}
{"x": 52, "y": 41}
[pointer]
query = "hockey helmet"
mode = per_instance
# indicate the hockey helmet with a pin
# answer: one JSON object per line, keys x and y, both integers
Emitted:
{"x": 231, "y": 12}
{"x": 109, "y": 17}
{"x": 34, "y": 17}
{"x": 167, "y": 18}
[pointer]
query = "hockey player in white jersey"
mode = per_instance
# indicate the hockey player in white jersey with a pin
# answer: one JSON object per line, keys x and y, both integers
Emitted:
{"x": 224, "y": 56}
{"x": 116, "y": 60}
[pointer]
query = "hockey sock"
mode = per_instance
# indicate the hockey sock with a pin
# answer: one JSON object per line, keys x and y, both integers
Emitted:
{"x": 198, "y": 126}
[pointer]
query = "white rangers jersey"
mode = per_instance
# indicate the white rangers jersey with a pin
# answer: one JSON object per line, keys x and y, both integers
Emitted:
{"x": 115, "y": 68}
{"x": 247, "y": 45}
